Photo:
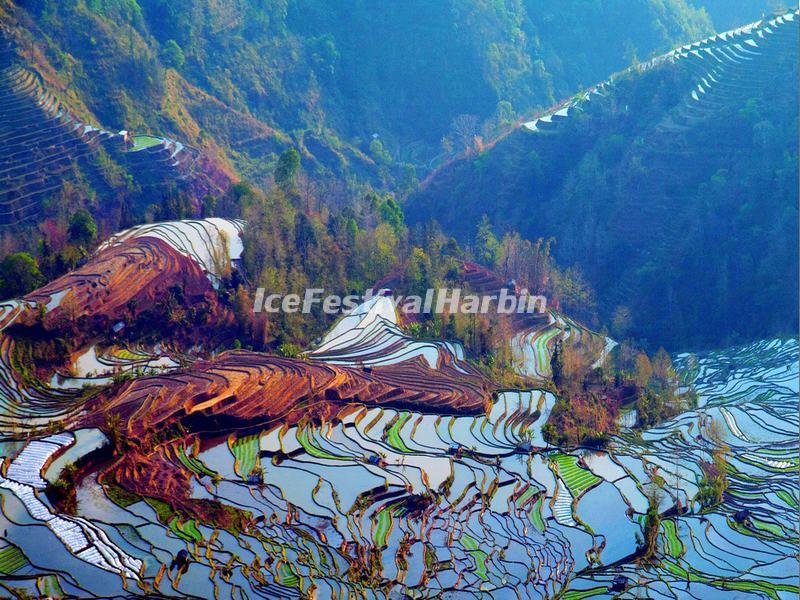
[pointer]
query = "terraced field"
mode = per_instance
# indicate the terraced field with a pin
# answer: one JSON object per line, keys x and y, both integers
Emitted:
{"x": 375, "y": 465}
{"x": 380, "y": 465}
{"x": 99, "y": 296}
{"x": 39, "y": 141}
{"x": 371, "y": 335}
{"x": 215, "y": 244}
{"x": 371, "y": 500}
{"x": 578, "y": 479}
{"x": 533, "y": 346}
{"x": 674, "y": 123}
{"x": 725, "y": 65}
{"x": 43, "y": 145}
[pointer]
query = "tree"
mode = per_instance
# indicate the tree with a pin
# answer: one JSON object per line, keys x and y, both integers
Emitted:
{"x": 19, "y": 274}
{"x": 305, "y": 237}
{"x": 450, "y": 332}
{"x": 644, "y": 370}
{"x": 528, "y": 263}
{"x": 557, "y": 365}
{"x": 487, "y": 247}
{"x": 504, "y": 113}
{"x": 408, "y": 178}
{"x": 652, "y": 524}
{"x": 221, "y": 257}
{"x": 714, "y": 482}
{"x": 464, "y": 128}
{"x": 576, "y": 359}
{"x": 574, "y": 291}
{"x": 287, "y": 168}
{"x": 69, "y": 309}
{"x": 377, "y": 251}
{"x": 209, "y": 206}
{"x": 173, "y": 55}
{"x": 625, "y": 359}
{"x": 379, "y": 153}
{"x": 391, "y": 213}
{"x": 452, "y": 249}
{"x": 82, "y": 228}
{"x": 662, "y": 366}
{"x": 418, "y": 272}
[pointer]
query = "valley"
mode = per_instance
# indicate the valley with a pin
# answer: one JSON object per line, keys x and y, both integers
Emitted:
{"x": 167, "y": 431}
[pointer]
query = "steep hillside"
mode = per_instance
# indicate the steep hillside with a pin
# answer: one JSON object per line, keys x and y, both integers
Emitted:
{"x": 52, "y": 160}
{"x": 468, "y": 57}
{"x": 361, "y": 88}
{"x": 169, "y": 430}
{"x": 669, "y": 184}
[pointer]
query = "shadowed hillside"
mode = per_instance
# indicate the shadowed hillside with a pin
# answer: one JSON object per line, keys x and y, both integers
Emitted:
{"x": 667, "y": 184}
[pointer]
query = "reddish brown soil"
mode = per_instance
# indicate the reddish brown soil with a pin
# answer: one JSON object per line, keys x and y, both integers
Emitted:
{"x": 249, "y": 387}
{"x": 243, "y": 389}
{"x": 120, "y": 284}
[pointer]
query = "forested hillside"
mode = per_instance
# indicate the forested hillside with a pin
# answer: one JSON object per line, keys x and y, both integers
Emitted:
{"x": 358, "y": 86}
{"x": 668, "y": 185}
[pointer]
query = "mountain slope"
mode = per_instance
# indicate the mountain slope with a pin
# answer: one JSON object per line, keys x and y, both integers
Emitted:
{"x": 327, "y": 76}
{"x": 668, "y": 184}
{"x": 726, "y": 14}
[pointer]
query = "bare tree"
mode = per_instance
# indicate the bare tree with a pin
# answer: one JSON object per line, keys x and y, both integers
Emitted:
{"x": 463, "y": 130}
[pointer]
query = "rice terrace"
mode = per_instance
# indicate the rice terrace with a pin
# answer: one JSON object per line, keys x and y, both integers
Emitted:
{"x": 308, "y": 299}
